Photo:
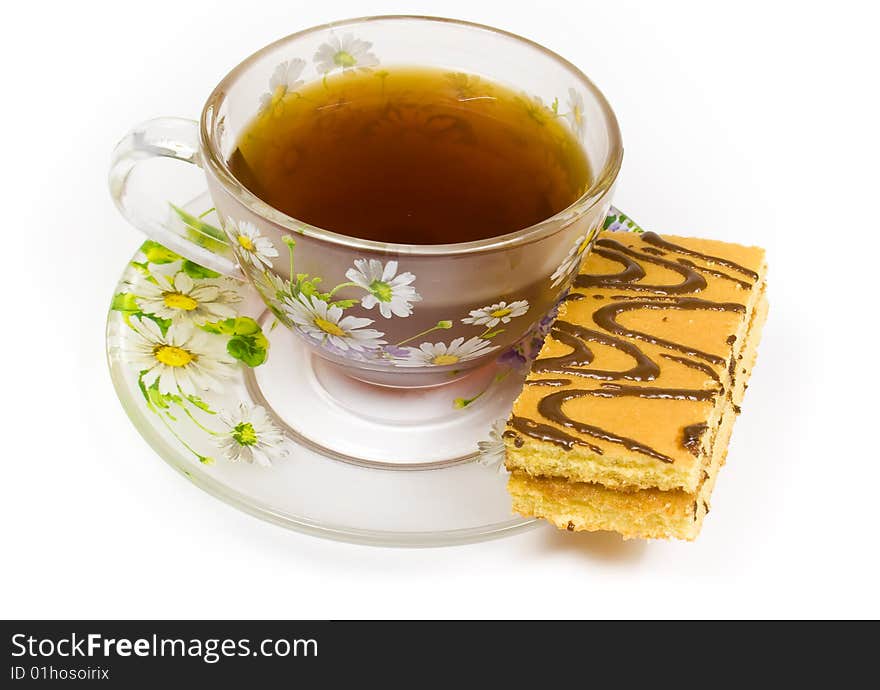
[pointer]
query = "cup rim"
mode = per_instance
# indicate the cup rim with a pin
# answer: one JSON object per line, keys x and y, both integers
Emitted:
{"x": 602, "y": 184}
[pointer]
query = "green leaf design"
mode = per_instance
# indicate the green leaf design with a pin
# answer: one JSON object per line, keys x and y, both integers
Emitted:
{"x": 344, "y": 303}
{"x": 201, "y": 404}
{"x": 308, "y": 286}
{"x": 247, "y": 342}
{"x": 125, "y": 302}
{"x": 204, "y": 234}
{"x": 159, "y": 401}
{"x": 250, "y": 349}
{"x": 157, "y": 254}
{"x": 163, "y": 324}
{"x": 193, "y": 270}
{"x": 240, "y": 325}
{"x": 141, "y": 267}
{"x": 489, "y": 336}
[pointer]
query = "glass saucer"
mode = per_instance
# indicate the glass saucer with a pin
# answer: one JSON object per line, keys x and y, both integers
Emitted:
{"x": 286, "y": 438}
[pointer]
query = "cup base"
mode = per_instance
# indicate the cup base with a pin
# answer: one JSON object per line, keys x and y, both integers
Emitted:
{"x": 374, "y": 425}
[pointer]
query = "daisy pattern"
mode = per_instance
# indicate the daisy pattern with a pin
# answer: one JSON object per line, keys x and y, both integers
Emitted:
{"x": 274, "y": 290}
{"x": 572, "y": 260}
{"x": 185, "y": 359}
{"x": 575, "y": 113}
{"x": 497, "y": 313}
{"x": 250, "y": 436}
{"x": 325, "y": 324}
{"x": 250, "y": 244}
{"x": 284, "y": 80}
{"x": 271, "y": 285}
{"x": 347, "y": 52}
{"x": 491, "y": 451}
{"x": 393, "y": 293}
{"x": 441, "y": 354}
{"x": 183, "y": 299}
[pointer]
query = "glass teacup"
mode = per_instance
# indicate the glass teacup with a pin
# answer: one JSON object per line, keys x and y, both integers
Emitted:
{"x": 403, "y": 315}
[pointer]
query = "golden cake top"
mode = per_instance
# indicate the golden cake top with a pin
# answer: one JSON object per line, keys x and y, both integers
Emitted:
{"x": 637, "y": 364}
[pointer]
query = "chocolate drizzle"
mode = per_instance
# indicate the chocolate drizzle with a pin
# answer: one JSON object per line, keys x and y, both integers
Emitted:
{"x": 654, "y": 239}
{"x": 605, "y": 318}
{"x": 700, "y": 366}
{"x": 718, "y": 274}
{"x": 580, "y": 341}
{"x": 545, "y": 432}
{"x": 551, "y": 408}
{"x": 614, "y": 251}
{"x": 517, "y": 439}
{"x": 692, "y": 437}
{"x": 576, "y": 337}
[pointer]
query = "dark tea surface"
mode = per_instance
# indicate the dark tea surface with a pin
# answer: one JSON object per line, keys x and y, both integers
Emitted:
{"x": 411, "y": 155}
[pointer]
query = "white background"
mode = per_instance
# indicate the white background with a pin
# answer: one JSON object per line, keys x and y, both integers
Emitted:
{"x": 755, "y": 122}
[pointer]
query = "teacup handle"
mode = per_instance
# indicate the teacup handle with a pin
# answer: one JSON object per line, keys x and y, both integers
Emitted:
{"x": 178, "y": 139}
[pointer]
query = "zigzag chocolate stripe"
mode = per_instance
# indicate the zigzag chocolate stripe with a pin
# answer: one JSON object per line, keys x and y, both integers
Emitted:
{"x": 609, "y": 332}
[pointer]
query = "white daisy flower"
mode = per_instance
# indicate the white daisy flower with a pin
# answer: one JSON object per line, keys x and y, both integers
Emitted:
{"x": 326, "y": 324}
{"x": 250, "y": 244}
{"x": 575, "y": 113}
{"x": 572, "y": 260}
{"x": 492, "y": 451}
{"x": 185, "y": 359}
{"x": 347, "y": 52}
{"x": 441, "y": 354}
{"x": 497, "y": 313}
{"x": 283, "y": 81}
{"x": 180, "y": 298}
{"x": 393, "y": 293}
{"x": 271, "y": 285}
{"x": 250, "y": 436}
{"x": 274, "y": 290}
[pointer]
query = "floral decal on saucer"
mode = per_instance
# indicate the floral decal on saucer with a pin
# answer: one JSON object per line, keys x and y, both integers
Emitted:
{"x": 186, "y": 339}
{"x": 491, "y": 451}
{"x": 250, "y": 436}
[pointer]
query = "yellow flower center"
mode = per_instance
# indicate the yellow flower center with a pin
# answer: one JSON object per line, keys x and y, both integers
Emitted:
{"x": 246, "y": 243}
{"x": 245, "y": 434}
{"x": 578, "y": 116}
{"x": 445, "y": 359}
{"x": 329, "y": 327}
{"x": 175, "y": 300}
{"x": 344, "y": 59}
{"x": 500, "y": 313}
{"x": 173, "y": 356}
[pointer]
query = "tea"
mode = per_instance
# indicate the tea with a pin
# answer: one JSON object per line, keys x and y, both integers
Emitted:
{"x": 411, "y": 155}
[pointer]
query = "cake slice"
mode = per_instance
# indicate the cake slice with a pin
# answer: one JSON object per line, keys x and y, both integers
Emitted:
{"x": 643, "y": 513}
{"x": 626, "y": 415}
